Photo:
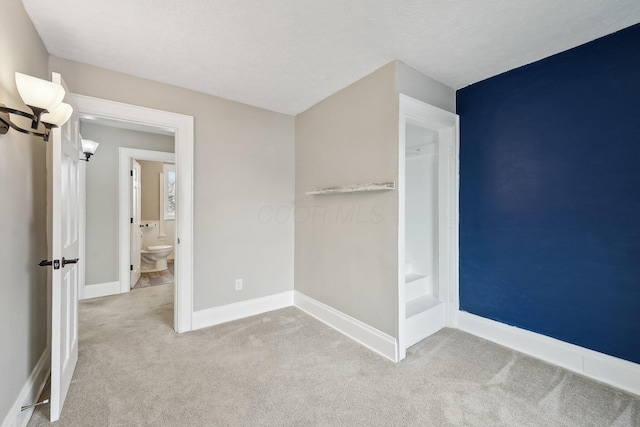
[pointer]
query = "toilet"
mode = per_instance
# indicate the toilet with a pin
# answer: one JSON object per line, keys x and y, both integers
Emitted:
{"x": 154, "y": 258}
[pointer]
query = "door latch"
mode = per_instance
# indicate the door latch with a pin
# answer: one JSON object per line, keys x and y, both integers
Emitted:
{"x": 55, "y": 263}
{"x": 69, "y": 261}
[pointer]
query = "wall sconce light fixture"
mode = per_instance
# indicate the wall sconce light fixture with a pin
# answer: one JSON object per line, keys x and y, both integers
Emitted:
{"x": 89, "y": 148}
{"x": 45, "y": 101}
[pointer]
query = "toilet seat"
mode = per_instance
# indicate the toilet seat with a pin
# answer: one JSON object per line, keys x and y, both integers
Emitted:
{"x": 159, "y": 247}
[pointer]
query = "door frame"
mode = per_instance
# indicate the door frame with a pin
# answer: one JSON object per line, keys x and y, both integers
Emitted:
{"x": 419, "y": 113}
{"x": 125, "y": 156}
{"x": 182, "y": 128}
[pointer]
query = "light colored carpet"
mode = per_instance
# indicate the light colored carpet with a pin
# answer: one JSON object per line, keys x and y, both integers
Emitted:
{"x": 285, "y": 368}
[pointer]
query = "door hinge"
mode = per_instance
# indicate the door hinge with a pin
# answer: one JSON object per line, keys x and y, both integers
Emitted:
{"x": 131, "y": 267}
{"x": 178, "y": 240}
{"x": 131, "y": 172}
{"x": 131, "y": 220}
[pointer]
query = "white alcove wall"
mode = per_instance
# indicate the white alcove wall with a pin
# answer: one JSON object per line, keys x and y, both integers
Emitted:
{"x": 421, "y": 201}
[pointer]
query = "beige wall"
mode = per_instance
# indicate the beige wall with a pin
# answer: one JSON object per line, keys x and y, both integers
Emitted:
{"x": 346, "y": 244}
{"x": 413, "y": 83}
{"x": 244, "y": 165}
{"x": 23, "y": 187}
{"x": 150, "y": 181}
{"x": 102, "y": 194}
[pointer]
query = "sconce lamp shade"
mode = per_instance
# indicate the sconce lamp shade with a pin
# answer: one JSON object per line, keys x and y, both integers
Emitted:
{"x": 39, "y": 93}
{"x": 45, "y": 101}
{"x": 59, "y": 115}
{"x": 89, "y": 146}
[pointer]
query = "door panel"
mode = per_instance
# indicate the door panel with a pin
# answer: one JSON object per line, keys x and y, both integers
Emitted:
{"x": 63, "y": 211}
{"x": 136, "y": 214}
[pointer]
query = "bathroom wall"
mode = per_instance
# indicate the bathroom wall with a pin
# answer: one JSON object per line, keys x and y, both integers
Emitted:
{"x": 243, "y": 174}
{"x": 346, "y": 245}
{"x": 102, "y": 195}
{"x": 23, "y": 186}
{"x": 550, "y": 196}
{"x": 150, "y": 181}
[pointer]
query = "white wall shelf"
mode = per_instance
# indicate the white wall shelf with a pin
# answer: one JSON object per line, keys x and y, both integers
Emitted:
{"x": 374, "y": 186}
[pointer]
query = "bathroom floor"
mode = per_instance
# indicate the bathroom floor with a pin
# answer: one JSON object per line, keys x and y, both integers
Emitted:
{"x": 156, "y": 278}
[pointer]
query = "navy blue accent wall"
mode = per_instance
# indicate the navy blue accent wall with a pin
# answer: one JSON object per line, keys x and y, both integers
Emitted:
{"x": 550, "y": 196}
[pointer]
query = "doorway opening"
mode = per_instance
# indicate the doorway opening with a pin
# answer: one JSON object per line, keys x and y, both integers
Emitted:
{"x": 180, "y": 127}
{"x": 153, "y": 214}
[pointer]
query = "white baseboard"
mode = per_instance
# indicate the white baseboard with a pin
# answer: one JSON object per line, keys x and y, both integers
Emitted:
{"x": 101, "y": 290}
{"x": 602, "y": 367}
{"x": 424, "y": 324}
{"x": 358, "y": 331}
{"x": 29, "y": 393}
{"x": 239, "y": 310}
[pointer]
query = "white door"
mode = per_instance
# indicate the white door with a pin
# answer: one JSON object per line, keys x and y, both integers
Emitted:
{"x": 136, "y": 226}
{"x": 63, "y": 220}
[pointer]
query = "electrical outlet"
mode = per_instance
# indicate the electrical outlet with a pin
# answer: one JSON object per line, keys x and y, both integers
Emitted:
{"x": 238, "y": 284}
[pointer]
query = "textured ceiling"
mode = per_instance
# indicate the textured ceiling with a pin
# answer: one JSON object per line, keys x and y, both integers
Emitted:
{"x": 286, "y": 55}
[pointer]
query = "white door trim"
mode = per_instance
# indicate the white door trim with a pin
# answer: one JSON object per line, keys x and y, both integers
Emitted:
{"x": 447, "y": 124}
{"x": 126, "y": 155}
{"x": 82, "y": 272}
{"x": 182, "y": 127}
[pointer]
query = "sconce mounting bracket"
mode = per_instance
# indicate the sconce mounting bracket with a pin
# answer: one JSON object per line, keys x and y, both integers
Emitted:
{"x": 4, "y": 121}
